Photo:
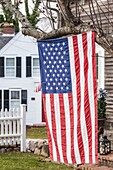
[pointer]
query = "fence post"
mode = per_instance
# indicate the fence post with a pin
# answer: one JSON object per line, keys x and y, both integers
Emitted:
{"x": 23, "y": 127}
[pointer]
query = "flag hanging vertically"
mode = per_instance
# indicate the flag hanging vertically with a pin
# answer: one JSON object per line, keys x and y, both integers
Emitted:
{"x": 68, "y": 79}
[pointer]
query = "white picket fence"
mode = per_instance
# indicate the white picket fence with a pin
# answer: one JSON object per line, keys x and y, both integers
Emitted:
{"x": 13, "y": 127}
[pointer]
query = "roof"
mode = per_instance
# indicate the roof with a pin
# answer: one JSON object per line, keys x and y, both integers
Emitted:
{"x": 4, "y": 40}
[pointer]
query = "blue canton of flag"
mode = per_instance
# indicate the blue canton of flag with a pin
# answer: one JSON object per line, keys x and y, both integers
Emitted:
{"x": 55, "y": 66}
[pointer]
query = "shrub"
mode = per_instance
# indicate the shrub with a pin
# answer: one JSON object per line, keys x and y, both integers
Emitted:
{"x": 102, "y": 103}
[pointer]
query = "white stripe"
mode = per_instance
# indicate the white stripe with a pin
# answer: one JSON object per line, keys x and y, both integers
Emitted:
{"x": 48, "y": 112}
{"x": 83, "y": 121}
{"x": 73, "y": 79}
{"x": 68, "y": 127}
{"x": 58, "y": 125}
{"x": 91, "y": 92}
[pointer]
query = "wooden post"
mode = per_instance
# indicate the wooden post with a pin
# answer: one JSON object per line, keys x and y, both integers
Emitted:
{"x": 23, "y": 127}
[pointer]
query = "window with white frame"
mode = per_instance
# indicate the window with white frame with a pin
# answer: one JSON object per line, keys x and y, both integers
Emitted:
{"x": 35, "y": 70}
{"x": 10, "y": 67}
{"x": 15, "y": 99}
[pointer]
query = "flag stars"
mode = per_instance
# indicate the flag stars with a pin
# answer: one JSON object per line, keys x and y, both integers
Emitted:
{"x": 63, "y": 43}
{"x": 47, "y": 75}
{"x": 49, "y": 53}
{"x": 58, "y": 44}
{"x": 55, "y": 64}
{"x": 61, "y": 48}
{"x": 46, "y": 49}
{"x": 48, "y": 45}
{"x": 53, "y": 45}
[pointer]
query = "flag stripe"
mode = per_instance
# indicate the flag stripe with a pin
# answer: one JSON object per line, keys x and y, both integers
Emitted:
{"x": 54, "y": 126}
{"x": 58, "y": 125}
{"x": 63, "y": 127}
{"x": 74, "y": 98}
{"x": 78, "y": 86}
{"x": 86, "y": 97}
{"x": 95, "y": 99}
{"x": 48, "y": 130}
{"x": 52, "y": 142}
{"x": 68, "y": 127}
{"x": 82, "y": 116}
{"x": 72, "y": 122}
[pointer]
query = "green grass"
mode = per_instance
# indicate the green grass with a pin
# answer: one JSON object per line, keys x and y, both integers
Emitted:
{"x": 27, "y": 161}
{"x": 36, "y": 133}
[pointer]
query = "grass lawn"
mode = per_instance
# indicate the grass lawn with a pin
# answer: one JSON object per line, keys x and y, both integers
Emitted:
{"x": 27, "y": 161}
{"x": 36, "y": 133}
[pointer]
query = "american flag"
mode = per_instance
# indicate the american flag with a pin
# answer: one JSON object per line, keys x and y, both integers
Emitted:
{"x": 68, "y": 79}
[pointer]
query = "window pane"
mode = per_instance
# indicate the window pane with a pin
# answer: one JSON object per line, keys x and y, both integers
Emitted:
{"x": 10, "y": 67}
{"x": 15, "y": 104}
{"x": 35, "y": 72}
{"x": 10, "y": 62}
{"x": 36, "y": 62}
{"x": 15, "y": 95}
{"x": 10, "y": 72}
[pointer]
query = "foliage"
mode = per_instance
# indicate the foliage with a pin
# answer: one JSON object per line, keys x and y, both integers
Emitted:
{"x": 33, "y": 17}
{"x": 1, "y": 18}
{"x": 102, "y": 103}
{"x": 27, "y": 161}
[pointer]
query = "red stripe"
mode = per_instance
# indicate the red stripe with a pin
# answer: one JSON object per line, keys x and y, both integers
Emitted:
{"x": 48, "y": 130}
{"x": 63, "y": 127}
{"x": 70, "y": 98}
{"x": 77, "y": 72}
{"x": 95, "y": 93}
{"x": 54, "y": 125}
{"x": 86, "y": 96}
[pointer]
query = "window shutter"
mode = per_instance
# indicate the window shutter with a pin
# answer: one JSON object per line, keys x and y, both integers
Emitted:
{"x": 1, "y": 66}
{"x": 18, "y": 66}
{"x": 24, "y": 97}
{"x": 6, "y": 100}
{"x": 28, "y": 66}
{"x": 0, "y": 99}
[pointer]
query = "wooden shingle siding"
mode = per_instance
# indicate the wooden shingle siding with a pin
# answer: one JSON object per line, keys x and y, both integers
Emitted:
{"x": 108, "y": 28}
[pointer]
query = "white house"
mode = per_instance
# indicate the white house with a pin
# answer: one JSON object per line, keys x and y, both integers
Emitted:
{"x": 19, "y": 76}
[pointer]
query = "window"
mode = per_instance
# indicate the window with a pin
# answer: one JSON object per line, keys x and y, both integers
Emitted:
{"x": 35, "y": 71}
{"x": 12, "y": 98}
{"x": 10, "y": 67}
{"x": 32, "y": 67}
{"x": 15, "y": 99}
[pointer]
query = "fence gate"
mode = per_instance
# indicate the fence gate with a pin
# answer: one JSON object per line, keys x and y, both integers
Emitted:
{"x": 13, "y": 127}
